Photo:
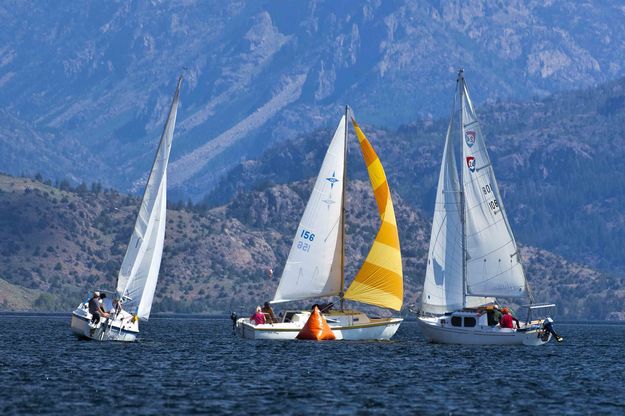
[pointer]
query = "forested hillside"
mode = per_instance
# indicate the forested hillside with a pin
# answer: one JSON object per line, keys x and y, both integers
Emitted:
{"x": 55, "y": 244}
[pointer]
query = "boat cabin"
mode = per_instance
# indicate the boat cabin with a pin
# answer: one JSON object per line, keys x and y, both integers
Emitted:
{"x": 464, "y": 319}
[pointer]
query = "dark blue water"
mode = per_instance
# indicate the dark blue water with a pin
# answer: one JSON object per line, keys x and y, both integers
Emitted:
{"x": 185, "y": 366}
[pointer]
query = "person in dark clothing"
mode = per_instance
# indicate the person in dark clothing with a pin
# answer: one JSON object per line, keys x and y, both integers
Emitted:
{"x": 493, "y": 314}
{"x": 95, "y": 309}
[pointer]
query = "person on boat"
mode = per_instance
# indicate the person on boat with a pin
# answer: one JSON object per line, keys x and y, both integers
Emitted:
{"x": 94, "y": 305}
{"x": 258, "y": 318}
{"x": 101, "y": 301}
{"x": 95, "y": 309}
{"x": 493, "y": 315}
{"x": 268, "y": 312}
{"x": 507, "y": 320}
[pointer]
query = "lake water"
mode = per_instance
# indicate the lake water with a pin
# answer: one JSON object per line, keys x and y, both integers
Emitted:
{"x": 194, "y": 365}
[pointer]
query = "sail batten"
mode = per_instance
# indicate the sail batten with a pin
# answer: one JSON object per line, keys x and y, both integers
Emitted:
{"x": 379, "y": 281}
{"x": 138, "y": 273}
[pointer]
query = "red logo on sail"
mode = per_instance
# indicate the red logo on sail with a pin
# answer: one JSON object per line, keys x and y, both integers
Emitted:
{"x": 471, "y": 163}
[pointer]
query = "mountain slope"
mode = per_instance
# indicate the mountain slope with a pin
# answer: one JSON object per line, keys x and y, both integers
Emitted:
{"x": 91, "y": 84}
{"x": 57, "y": 244}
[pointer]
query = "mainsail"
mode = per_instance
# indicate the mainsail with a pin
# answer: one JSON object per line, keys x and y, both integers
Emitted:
{"x": 380, "y": 279}
{"x": 314, "y": 268}
{"x": 139, "y": 271}
{"x": 493, "y": 265}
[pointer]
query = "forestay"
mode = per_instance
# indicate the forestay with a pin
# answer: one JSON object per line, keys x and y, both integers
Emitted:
{"x": 139, "y": 271}
{"x": 380, "y": 278}
{"x": 493, "y": 265}
{"x": 313, "y": 268}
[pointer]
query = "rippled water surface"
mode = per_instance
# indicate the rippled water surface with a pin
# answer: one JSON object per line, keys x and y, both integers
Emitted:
{"x": 187, "y": 365}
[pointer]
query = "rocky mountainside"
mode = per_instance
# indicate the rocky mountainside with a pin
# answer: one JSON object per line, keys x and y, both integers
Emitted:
{"x": 57, "y": 244}
{"x": 558, "y": 161}
{"x": 84, "y": 88}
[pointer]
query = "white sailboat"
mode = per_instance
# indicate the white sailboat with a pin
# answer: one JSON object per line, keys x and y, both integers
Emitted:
{"x": 473, "y": 257}
{"x": 138, "y": 274}
{"x": 315, "y": 266}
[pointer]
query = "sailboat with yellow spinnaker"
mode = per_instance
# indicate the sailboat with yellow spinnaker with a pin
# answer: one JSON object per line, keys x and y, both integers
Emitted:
{"x": 315, "y": 266}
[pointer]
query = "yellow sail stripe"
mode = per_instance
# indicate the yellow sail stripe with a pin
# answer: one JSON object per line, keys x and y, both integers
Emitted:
{"x": 380, "y": 279}
{"x": 378, "y": 296}
{"x": 385, "y": 257}
{"x": 387, "y": 235}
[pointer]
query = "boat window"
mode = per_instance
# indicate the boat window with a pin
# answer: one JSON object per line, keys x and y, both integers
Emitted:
{"x": 289, "y": 316}
{"x": 456, "y": 321}
{"x": 469, "y": 321}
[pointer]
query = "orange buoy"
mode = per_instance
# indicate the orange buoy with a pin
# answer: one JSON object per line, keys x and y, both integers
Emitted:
{"x": 316, "y": 328}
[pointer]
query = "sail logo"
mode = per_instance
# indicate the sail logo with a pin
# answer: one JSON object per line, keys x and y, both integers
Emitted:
{"x": 332, "y": 180}
{"x": 471, "y": 163}
{"x": 329, "y": 201}
{"x": 469, "y": 137}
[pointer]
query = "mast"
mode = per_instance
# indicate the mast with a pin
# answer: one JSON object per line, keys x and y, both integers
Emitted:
{"x": 460, "y": 82}
{"x": 342, "y": 293}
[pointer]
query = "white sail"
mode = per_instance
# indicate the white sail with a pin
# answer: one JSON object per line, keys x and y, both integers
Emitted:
{"x": 313, "y": 268}
{"x": 139, "y": 271}
{"x": 493, "y": 265}
{"x": 443, "y": 289}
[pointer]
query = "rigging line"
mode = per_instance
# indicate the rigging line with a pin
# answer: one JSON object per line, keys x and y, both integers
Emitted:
{"x": 330, "y": 232}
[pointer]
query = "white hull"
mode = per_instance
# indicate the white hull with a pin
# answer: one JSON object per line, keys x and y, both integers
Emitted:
{"x": 434, "y": 332}
{"x": 120, "y": 328}
{"x": 347, "y": 326}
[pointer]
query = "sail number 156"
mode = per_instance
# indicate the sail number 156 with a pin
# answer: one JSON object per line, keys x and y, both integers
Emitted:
{"x": 307, "y": 235}
{"x": 305, "y": 245}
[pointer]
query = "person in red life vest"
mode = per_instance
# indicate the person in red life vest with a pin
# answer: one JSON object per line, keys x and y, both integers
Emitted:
{"x": 258, "y": 318}
{"x": 507, "y": 320}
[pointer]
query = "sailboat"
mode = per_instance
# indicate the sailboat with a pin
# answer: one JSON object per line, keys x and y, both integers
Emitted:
{"x": 315, "y": 266}
{"x": 473, "y": 258}
{"x": 138, "y": 275}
